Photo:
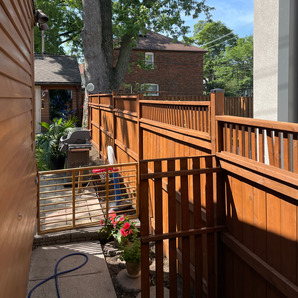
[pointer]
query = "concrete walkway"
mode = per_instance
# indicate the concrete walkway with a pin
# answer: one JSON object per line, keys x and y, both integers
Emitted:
{"x": 92, "y": 280}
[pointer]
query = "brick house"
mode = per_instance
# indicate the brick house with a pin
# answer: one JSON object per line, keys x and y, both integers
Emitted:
{"x": 56, "y": 76}
{"x": 176, "y": 68}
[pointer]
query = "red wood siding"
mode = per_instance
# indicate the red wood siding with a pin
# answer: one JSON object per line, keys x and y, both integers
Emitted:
{"x": 17, "y": 162}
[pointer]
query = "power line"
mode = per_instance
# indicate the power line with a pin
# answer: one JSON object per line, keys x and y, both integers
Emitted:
{"x": 226, "y": 34}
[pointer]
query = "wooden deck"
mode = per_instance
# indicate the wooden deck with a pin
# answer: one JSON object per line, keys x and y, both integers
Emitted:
{"x": 73, "y": 198}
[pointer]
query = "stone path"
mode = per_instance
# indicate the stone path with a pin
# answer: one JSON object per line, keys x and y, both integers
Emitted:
{"x": 91, "y": 280}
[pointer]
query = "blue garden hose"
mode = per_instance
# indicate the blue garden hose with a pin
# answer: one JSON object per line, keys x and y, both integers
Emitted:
{"x": 60, "y": 273}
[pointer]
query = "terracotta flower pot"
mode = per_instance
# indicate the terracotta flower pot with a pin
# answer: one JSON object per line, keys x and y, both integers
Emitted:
{"x": 133, "y": 269}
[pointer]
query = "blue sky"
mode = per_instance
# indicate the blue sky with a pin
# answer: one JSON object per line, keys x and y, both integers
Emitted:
{"x": 235, "y": 14}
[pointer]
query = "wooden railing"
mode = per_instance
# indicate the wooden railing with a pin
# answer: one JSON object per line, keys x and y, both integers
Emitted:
{"x": 179, "y": 97}
{"x": 240, "y": 106}
{"x": 270, "y": 142}
{"x": 80, "y": 197}
{"x": 194, "y": 115}
{"x": 128, "y": 122}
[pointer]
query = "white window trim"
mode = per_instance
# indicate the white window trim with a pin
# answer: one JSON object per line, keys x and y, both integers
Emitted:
{"x": 150, "y": 93}
{"x": 151, "y": 61}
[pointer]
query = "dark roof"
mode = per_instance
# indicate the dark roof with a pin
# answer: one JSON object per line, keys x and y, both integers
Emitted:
{"x": 157, "y": 42}
{"x": 56, "y": 69}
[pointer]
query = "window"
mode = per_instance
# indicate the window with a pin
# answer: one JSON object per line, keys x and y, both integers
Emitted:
{"x": 149, "y": 59}
{"x": 153, "y": 89}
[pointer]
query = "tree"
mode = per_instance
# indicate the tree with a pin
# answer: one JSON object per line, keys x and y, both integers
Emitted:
{"x": 105, "y": 20}
{"x": 214, "y": 37}
{"x": 123, "y": 21}
{"x": 65, "y": 24}
{"x": 229, "y": 61}
{"x": 235, "y": 68}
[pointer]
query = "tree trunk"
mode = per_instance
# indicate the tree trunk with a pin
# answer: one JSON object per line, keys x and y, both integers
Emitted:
{"x": 97, "y": 39}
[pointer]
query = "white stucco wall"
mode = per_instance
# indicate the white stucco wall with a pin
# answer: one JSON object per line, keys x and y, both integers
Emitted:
{"x": 266, "y": 19}
{"x": 276, "y": 60}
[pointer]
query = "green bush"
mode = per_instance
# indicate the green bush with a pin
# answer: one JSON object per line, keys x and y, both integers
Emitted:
{"x": 47, "y": 143}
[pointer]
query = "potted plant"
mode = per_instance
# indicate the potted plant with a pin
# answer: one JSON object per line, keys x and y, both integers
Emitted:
{"x": 131, "y": 254}
{"x": 115, "y": 227}
{"x": 47, "y": 143}
{"x": 127, "y": 236}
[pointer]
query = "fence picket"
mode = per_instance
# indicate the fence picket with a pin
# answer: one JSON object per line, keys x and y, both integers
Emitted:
{"x": 270, "y": 146}
{"x": 197, "y": 225}
{"x": 144, "y": 203}
{"x": 185, "y": 225}
{"x": 210, "y": 223}
{"x": 158, "y": 230}
{"x": 172, "y": 229}
{"x": 295, "y": 154}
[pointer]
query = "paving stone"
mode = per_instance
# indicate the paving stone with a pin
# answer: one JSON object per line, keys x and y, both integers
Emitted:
{"x": 91, "y": 280}
{"x": 166, "y": 293}
{"x": 128, "y": 284}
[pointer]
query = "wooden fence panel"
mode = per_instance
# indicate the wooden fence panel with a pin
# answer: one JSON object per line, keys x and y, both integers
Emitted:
{"x": 259, "y": 180}
{"x": 261, "y": 229}
{"x": 189, "y": 230}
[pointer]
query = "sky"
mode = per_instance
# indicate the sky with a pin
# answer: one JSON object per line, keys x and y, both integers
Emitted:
{"x": 238, "y": 15}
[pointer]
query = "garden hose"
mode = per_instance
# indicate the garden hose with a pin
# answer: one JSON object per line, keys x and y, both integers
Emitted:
{"x": 56, "y": 274}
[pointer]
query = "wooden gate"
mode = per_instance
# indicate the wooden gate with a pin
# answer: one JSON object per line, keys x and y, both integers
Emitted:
{"x": 80, "y": 197}
{"x": 180, "y": 217}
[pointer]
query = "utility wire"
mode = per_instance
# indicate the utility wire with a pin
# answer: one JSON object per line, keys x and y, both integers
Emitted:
{"x": 226, "y": 35}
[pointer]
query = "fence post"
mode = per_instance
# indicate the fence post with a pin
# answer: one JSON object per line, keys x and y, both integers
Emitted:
{"x": 139, "y": 130}
{"x": 217, "y": 101}
{"x": 114, "y": 93}
{"x": 139, "y": 142}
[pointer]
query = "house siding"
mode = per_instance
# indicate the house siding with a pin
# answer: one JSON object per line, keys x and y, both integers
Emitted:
{"x": 175, "y": 72}
{"x": 17, "y": 161}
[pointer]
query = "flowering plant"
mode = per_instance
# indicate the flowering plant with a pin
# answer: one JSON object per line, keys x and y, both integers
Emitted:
{"x": 131, "y": 252}
{"x": 120, "y": 227}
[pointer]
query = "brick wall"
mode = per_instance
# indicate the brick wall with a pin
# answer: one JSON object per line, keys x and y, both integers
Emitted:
{"x": 174, "y": 72}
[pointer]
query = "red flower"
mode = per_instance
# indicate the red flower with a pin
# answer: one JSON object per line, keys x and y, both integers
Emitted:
{"x": 123, "y": 232}
{"x": 112, "y": 214}
{"x": 126, "y": 225}
{"x": 121, "y": 218}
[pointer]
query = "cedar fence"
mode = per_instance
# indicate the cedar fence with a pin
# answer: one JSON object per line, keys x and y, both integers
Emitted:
{"x": 240, "y": 106}
{"x": 218, "y": 194}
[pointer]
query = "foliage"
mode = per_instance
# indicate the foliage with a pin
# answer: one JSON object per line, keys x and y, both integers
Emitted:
{"x": 133, "y": 17}
{"x": 236, "y": 67}
{"x": 208, "y": 35}
{"x": 228, "y": 63}
{"x": 121, "y": 20}
{"x": 126, "y": 233}
{"x": 118, "y": 227}
{"x": 131, "y": 252}
{"x": 47, "y": 143}
{"x": 65, "y": 24}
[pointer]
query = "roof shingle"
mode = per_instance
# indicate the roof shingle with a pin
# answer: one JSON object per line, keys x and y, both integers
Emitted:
{"x": 56, "y": 69}
{"x": 155, "y": 41}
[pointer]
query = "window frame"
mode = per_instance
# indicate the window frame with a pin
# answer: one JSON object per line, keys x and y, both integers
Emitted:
{"x": 149, "y": 63}
{"x": 151, "y": 93}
